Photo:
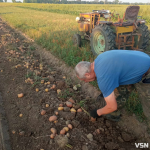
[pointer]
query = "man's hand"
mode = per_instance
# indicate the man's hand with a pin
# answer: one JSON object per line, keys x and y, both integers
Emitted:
{"x": 94, "y": 114}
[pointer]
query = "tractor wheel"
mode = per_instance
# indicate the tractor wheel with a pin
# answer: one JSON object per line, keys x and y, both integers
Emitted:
{"x": 102, "y": 39}
{"x": 144, "y": 40}
{"x": 77, "y": 40}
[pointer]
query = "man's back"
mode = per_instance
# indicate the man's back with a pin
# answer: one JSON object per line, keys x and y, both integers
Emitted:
{"x": 120, "y": 67}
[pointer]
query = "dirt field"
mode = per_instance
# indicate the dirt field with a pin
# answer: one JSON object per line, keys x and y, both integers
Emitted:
{"x": 21, "y": 71}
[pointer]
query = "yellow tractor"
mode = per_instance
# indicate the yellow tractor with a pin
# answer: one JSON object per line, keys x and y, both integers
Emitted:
{"x": 129, "y": 32}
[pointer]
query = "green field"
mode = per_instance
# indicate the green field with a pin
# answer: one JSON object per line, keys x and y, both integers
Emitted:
{"x": 53, "y": 25}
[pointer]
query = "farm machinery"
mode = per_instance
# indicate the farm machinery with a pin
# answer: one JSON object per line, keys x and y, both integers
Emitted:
{"x": 129, "y": 32}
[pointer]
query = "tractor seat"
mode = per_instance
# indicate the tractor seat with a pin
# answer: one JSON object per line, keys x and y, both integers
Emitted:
{"x": 130, "y": 15}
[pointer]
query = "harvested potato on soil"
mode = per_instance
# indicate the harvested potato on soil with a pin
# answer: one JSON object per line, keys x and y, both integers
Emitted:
{"x": 47, "y": 105}
{"x": 13, "y": 131}
{"x": 42, "y": 81}
{"x": 79, "y": 110}
{"x": 66, "y": 129}
{"x": 43, "y": 112}
{"x": 60, "y": 105}
{"x": 52, "y": 136}
{"x": 37, "y": 89}
{"x": 53, "y": 86}
{"x": 72, "y": 110}
{"x": 64, "y": 77}
{"x": 20, "y": 115}
{"x": 56, "y": 113}
{"x": 58, "y": 91}
{"x": 71, "y": 100}
{"x": 52, "y": 118}
{"x": 69, "y": 104}
{"x": 55, "y": 121}
{"x": 53, "y": 130}
{"x": 20, "y": 95}
{"x": 60, "y": 108}
{"x": 69, "y": 126}
{"x": 21, "y": 133}
{"x": 46, "y": 90}
{"x": 63, "y": 131}
{"x": 93, "y": 119}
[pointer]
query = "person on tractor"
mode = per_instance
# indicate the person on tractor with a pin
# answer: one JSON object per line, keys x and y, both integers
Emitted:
{"x": 112, "y": 69}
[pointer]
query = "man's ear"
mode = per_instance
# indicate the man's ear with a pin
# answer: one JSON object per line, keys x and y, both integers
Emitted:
{"x": 87, "y": 75}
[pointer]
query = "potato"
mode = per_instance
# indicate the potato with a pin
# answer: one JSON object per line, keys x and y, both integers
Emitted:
{"x": 52, "y": 118}
{"x": 93, "y": 119}
{"x": 37, "y": 89}
{"x": 42, "y": 81}
{"x": 98, "y": 131}
{"x": 71, "y": 100}
{"x": 52, "y": 136}
{"x": 66, "y": 129}
{"x": 69, "y": 126}
{"x": 79, "y": 110}
{"x": 58, "y": 91}
{"x": 46, "y": 90}
{"x": 64, "y": 77}
{"x": 13, "y": 131}
{"x": 53, "y": 86}
{"x": 62, "y": 131}
{"x": 72, "y": 110}
{"x": 20, "y": 115}
{"x": 48, "y": 82}
{"x": 56, "y": 113}
{"x": 20, "y": 95}
{"x": 60, "y": 108}
{"x": 43, "y": 112}
{"x": 55, "y": 121}
{"x": 53, "y": 130}
{"x": 69, "y": 104}
{"x": 47, "y": 105}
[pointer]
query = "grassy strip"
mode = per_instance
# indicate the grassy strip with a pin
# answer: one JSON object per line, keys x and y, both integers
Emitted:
{"x": 134, "y": 106}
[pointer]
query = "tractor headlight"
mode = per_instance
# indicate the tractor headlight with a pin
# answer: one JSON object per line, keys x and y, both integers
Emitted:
{"x": 77, "y": 19}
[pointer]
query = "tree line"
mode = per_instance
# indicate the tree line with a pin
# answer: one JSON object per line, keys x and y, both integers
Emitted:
{"x": 74, "y": 2}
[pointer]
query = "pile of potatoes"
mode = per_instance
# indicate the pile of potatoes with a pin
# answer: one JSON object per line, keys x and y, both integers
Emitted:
{"x": 70, "y": 103}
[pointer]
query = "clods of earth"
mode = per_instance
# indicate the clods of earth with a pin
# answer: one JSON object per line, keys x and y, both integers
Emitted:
{"x": 45, "y": 111}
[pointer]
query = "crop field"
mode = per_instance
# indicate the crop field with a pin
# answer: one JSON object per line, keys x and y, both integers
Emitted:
{"x": 53, "y": 25}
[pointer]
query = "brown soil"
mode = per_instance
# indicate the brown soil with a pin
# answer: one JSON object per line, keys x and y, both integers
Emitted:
{"x": 31, "y": 131}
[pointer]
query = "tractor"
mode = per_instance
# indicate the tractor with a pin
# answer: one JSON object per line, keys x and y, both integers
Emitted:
{"x": 129, "y": 32}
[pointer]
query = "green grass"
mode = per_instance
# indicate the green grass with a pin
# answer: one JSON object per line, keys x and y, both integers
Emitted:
{"x": 134, "y": 106}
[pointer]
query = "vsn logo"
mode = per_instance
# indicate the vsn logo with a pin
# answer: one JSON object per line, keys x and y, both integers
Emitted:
{"x": 142, "y": 145}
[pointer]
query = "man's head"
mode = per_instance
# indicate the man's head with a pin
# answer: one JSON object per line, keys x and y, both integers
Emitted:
{"x": 85, "y": 71}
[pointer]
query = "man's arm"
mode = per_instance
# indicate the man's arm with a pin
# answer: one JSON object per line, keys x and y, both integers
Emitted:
{"x": 111, "y": 105}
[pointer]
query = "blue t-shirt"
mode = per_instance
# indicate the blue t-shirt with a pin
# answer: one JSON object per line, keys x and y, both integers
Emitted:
{"x": 120, "y": 67}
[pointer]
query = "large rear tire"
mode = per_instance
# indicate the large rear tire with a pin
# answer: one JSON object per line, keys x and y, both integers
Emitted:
{"x": 102, "y": 39}
{"x": 144, "y": 40}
